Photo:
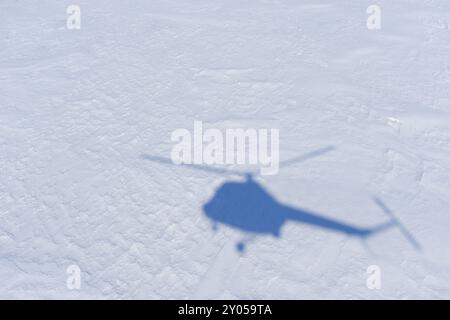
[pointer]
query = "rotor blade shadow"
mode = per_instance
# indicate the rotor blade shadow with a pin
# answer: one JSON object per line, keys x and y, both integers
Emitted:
{"x": 307, "y": 156}
{"x": 209, "y": 169}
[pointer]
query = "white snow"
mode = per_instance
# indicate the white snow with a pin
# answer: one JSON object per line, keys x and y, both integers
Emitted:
{"x": 78, "y": 108}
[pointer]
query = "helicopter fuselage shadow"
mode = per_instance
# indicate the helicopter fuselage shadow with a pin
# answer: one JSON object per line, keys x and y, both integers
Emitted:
{"x": 247, "y": 206}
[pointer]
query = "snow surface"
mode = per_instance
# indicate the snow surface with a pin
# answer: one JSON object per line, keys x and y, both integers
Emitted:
{"x": 78, "y": 108}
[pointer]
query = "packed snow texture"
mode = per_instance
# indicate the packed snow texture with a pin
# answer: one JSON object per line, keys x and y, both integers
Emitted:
{"x": 79, "y": 108}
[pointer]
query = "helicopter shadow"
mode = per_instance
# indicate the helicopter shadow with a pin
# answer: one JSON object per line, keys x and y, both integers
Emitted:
{"x": 247, "y": 206}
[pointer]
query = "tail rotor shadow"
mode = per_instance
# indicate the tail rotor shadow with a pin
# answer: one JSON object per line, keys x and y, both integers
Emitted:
{"x": 395, "y": 222}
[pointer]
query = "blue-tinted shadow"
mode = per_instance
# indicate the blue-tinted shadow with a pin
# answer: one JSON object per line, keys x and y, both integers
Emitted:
{"x": 247, "y": 206}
